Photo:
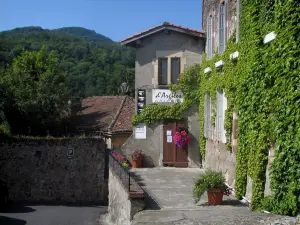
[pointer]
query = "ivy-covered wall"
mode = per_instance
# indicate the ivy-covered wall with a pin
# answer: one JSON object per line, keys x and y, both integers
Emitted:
{"x": 262, "y": 87}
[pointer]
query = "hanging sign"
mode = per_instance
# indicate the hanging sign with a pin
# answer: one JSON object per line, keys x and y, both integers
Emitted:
{"x": 141, "y": 100}
{"x": 166, "y": 96}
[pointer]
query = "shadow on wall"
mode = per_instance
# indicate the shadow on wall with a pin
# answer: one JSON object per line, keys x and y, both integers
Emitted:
{"x": 150, "y": 202}
{"x": 11, "y": 221}
{"x": 194, "y": 153}
{"x": 150, "y": 151}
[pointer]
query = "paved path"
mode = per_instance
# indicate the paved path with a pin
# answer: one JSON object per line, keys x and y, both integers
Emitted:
{"x": 169, "y": 187}
{"x": 171, "y": 202}
{"x": 52, "y": 215}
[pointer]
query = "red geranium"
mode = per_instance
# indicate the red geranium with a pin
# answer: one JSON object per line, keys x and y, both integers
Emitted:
{"x": 181, "y": 137}
{"x": 137, "y": 154}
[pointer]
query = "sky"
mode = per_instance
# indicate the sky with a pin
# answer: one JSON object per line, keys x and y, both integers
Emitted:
{"x": 116, "y": 19}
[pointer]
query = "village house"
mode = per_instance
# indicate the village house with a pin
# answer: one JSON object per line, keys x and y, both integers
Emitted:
{"x": 162, "y": 53}
{"x": 220, "y": 20}
{"x": 104, "y": 116}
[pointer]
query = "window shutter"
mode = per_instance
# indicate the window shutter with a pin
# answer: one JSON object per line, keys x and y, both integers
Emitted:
{"x": 220, "y": 115}
{"x": 205, "y": 116}
{"x": 221, "y": 27}
{"x": 209, "y": 118}
{"x": 225, "y": 24}
{"x": 209, "y": 37}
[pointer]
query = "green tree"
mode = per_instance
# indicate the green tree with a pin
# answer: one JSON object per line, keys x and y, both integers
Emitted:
{"x": 39, "y": 89}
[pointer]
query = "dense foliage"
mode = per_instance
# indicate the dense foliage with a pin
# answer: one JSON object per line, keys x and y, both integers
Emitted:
{"x": 40, "y": 70}
{"x": 35, "y": 92}
{"x": 262, "y": 87}
{"x": 94, "y": 64}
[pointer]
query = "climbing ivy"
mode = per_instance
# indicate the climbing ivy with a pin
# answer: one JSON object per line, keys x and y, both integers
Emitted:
{"x": 153, "y": 113}
{"x": 262, "y": 87}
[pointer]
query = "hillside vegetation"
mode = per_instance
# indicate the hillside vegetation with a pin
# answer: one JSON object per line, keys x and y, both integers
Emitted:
{"x": 41, "y": 70}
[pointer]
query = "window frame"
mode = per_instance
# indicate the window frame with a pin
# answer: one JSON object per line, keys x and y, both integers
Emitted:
{"x": 209, "y": 37}
{"x": 179, "y": 69}
{"x": 160, "y": 71}
{"x": 220, "y": 115}
{"x": 207, "y": 116}
{"x": 222, "y": 27}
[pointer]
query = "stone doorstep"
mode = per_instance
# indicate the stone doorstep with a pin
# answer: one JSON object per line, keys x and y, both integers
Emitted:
{"x": 136, "y": 195}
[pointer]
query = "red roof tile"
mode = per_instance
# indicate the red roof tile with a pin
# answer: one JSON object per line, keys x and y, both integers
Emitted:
{"x": 98, "y": 114}
{"x": 191, "y": 31}
{"x": 123, "y": 122}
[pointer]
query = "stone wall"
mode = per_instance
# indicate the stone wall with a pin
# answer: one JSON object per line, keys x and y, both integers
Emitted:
{"x": 220, "y": 159}
{"x": 122, "y": 207}
{"x": 211, "y": 8}
{"x": 152, "y": 146}
{"x": 40, "y": 171}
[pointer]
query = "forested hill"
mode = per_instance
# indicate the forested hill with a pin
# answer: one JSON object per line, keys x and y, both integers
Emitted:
{"x": 85, "y": 33}
{"x": 94, "y": 64}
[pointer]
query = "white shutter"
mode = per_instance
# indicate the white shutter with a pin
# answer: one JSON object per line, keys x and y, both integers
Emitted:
{"x": 224, "y": 109}
{"x": 219, "y": 115}
{"x": 209, "y": 129}
{"x": 205, "y": 116}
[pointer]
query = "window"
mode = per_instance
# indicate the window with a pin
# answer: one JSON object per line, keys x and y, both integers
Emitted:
{"x": 207, "y": 116}
{"x": 209, "y": 38}
{"x": 175, "y": 70}
{"x": 222, "y": 27}
{"x": 221, "y": 107}
{"x": 163, "y": 71}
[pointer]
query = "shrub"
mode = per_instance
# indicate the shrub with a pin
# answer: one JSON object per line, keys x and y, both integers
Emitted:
{"x": 211, "y": 179}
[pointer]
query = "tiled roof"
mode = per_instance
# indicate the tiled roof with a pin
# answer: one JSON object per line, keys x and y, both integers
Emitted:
{"x": 123, "y": 122}
{"x": 165, "y": 25}
{"x": 99, "y": 113}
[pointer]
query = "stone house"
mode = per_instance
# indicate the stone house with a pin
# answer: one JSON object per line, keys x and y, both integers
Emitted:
{"x": 220, "y": 18}
{"x": 162, "y": 53}
{"x": 106, "y": 116}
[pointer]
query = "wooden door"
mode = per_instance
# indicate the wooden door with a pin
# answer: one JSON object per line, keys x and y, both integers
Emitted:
{"x": 172, "y": 155}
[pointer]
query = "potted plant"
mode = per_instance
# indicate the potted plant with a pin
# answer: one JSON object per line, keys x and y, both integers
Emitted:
{"x": 214, "y": 183}
{"x": 137, "y": 157}
{"x": 181, "y": 137}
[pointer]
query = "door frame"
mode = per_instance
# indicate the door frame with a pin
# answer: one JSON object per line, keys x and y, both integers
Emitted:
{"x": 172, "y": 155}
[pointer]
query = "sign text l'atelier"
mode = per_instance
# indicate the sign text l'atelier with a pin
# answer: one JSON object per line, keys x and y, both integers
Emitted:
{"x": 166, "y": 96}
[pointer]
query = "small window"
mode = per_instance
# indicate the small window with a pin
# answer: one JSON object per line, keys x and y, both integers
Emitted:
{"x": 222, "y": 27}
{"x": 175, "y": 70}
{"x": 163, "y": 71}
{"x": 209, "y": 38}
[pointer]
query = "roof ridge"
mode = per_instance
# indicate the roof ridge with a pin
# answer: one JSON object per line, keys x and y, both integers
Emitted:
{"x": 113, "y": 122}
{"x": 165, "y": 24}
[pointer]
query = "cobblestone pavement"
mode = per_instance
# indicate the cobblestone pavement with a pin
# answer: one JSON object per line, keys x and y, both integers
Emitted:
{"x": 213, "y": 215}
{"x": 52, "y": 215}
{"x": 170, "y": 195}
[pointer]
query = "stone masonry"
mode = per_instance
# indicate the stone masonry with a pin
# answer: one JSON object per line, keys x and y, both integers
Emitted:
{"x": 122, "y": 207}
{"x": 38, "y": 170}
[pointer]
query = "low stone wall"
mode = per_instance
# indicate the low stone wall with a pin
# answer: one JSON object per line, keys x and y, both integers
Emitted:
{"x": 122, "y": 204}
{"x": 38, "y": 170}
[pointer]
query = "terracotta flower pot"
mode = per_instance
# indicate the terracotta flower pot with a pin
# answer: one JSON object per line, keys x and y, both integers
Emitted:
{"x": 215, "y": 196}
{"x": 137, "y": 163}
